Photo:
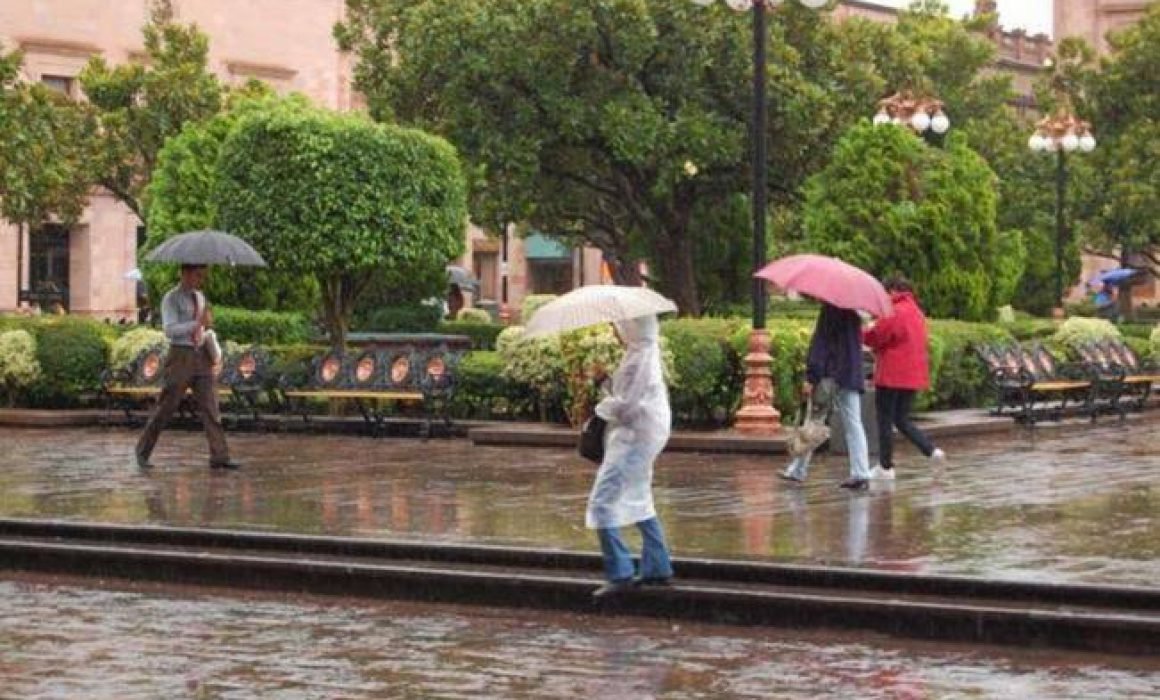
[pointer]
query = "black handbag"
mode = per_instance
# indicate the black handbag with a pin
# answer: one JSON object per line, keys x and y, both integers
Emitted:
{"x": 592, "y": 439}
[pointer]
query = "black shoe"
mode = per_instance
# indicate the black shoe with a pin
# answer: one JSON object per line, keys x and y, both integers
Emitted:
{"x": 855, "y": 484}
{"x": 228, "y": 464}
{"x": 654, "y": 581}
{"x": 143, "y": 461}
{"x": 612, "y": 589}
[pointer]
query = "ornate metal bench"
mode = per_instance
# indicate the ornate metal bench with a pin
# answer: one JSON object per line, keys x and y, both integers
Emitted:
{"x": 240, "y": 381}
{"x": 378, "y": 377}
{"x": 1034, "y": 385}
{"x": 1115, "y": 356}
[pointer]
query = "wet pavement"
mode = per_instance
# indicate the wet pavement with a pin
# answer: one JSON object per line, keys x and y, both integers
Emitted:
{"x": 67, "y": 639}
{"x": 1073, "y": 504}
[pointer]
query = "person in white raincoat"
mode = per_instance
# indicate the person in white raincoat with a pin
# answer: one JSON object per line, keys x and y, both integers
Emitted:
{"x": 639, "y": 420}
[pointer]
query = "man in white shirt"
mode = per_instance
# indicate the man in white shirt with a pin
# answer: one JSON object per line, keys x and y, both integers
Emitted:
{"x": 184, "y": 317}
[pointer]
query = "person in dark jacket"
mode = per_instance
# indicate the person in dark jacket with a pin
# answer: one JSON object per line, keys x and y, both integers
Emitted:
{"x": 901, "y": 370}
{"x": 834, "y": 379}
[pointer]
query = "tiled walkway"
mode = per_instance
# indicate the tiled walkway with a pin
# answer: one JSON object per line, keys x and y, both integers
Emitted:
{"x": 1079, "y": 503}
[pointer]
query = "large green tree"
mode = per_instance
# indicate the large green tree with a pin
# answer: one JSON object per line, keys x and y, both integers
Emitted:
{"x": 141, "y": 104}
{"x": 182, "y": 198}
{"x": 342, "y": 199}
{"x": 619, "y": 123}
{"x": 888, "y": 202}
{"x": 1124, "y": 209}
{"x": 46, "y": 152}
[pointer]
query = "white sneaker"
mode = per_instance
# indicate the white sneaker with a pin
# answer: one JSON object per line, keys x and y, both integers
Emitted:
{"x": 938, "y": 455}
{"x": 879, "y": 473}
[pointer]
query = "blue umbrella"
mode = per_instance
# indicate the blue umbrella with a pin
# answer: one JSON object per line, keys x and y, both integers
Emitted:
{"x": 1114, "y": 276}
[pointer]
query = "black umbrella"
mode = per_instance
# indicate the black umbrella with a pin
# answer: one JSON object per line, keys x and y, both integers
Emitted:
{"x": 206, "y": 248}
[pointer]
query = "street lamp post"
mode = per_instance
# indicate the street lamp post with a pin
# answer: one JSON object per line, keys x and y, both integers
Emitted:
{"x": 757, "y": 414}
{"x": 1061, "y": 134}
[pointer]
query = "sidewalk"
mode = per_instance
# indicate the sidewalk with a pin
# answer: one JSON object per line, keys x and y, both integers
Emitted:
{"x": 1075, "y": 504}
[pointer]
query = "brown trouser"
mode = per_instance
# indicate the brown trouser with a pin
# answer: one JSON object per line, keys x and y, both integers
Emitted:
{"x": 187, "y": 368}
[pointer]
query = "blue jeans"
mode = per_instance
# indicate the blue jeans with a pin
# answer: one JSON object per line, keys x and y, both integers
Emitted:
{"x": 849, "y": 408}
{"x": 654, "y": 556}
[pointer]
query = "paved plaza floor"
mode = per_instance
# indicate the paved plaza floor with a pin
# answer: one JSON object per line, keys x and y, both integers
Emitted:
{"x": 1074, "y": 503}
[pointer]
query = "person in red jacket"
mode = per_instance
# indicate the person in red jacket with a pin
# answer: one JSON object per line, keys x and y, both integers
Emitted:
{"x": 901, "y": 369}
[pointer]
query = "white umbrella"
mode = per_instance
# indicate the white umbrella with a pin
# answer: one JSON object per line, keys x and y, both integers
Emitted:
{"x": 601, "y": 303}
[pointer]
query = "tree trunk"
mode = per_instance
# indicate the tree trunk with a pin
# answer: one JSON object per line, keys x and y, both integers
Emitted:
{"x": 1124, "y": 298}
{"x": 676, "y": 265}
{"x": 334, "y": 310}
{"x": 624, "y": 271}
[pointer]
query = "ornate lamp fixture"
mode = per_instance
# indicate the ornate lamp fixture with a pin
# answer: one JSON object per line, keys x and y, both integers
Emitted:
{"x": 1062, "y": 131}
{"x": 919, "y": 113}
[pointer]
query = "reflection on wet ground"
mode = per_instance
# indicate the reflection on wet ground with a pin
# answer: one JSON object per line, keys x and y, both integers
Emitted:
{"x": 1076, "y": 504}
{"x": 59, "y": 639}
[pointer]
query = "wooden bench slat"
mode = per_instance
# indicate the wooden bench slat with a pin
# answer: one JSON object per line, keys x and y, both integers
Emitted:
{"x": 1059, "y": 386}
{"x": 1142, "y": 379}
{"x": 144, "y": 390}
{"x": 352, "y": 394}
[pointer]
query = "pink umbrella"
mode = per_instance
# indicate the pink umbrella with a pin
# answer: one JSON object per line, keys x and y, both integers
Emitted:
{"x": 829, "y": 280}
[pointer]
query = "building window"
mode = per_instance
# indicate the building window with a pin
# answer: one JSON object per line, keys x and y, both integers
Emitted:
{"x": 59, "y": 83}
{"x": 48, "y": 280}
{"x": 549, "y": 265}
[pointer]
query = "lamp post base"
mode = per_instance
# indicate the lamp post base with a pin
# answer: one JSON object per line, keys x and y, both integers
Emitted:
{"x": 1058, "y": 313}
{"x": 757, "y": 415}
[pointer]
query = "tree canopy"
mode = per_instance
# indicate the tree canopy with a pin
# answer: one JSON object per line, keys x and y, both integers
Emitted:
{"x": 342, "y": 199}
{"x": 888, "y": 203}
{"x": 141, "y": 104}
{"x": 47, "y": 155}
{"x": 612, "y": 122}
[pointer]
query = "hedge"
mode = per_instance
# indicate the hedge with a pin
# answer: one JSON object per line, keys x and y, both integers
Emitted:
{"x": 483, "y": 335}
{"x": 260, "y": 327}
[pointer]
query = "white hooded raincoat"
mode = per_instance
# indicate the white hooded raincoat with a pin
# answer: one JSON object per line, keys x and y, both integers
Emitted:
{"x": 639, "y": 421}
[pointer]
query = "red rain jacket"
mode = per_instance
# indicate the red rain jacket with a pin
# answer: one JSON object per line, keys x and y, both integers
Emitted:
{"x": 899, "y": 345}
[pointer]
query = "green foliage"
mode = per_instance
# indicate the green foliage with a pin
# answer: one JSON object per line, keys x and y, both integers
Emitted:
{"x": 127, "y": 347}
{"x": 1030, "y": 328}
{"x": 72, "y": 355}
{"x": 343, "y": 200}
{"x": 789, "y": 341}
{"x": 958, "y": 379}
{"x": 47, "y": 157}
{"x": 417, "y": 318}
{"x": 483, "y": 335}
{"x": 483, "y": 391}
{"x": 1155, "y": 340}
{"x": 181, "y": 198}
{"x": 260, "y": 327}
{"x": 586, "y": 354}
{"x": 888, "y": 202}
{"x": 1010, "y": 266}
{"x": 532, "y": 304}
{"x": 536, "y": 362}
{"x": 1077, "y": 331}
{"x": 621, "y": 123}
{"x": 19, "y": 368}
{"x": 709, "y": 368}
{"x": 473, "y": 315}
{"x": 140, "y": 104}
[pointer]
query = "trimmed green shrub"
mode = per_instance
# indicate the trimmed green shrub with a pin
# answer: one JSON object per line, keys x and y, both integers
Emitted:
{"x": 126, "y": 348}
{"x": 957, "y": 376}
{"x": 1031, "y": 328}
{"x": 537, "y": 363}
{"x": 19, "y": 368}
{"x": 72, "y": 352}
{"x": 708, "y": 366}
{"x": 472, "y": 315}
{"x": 260, "y": 327}
{"x": 419, "y": 318}
{"x": 1156, "y": 343}
{"x": 1135, "y": 330}
{"x": 484, "y": 392}
{"x": 1077, "y": 331}
{"x": 483, "y": 335}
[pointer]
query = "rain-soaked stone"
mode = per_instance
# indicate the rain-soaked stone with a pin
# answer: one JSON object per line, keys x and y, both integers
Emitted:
{"x": 1073, "y": 504}
{"x": 61, "y": 638}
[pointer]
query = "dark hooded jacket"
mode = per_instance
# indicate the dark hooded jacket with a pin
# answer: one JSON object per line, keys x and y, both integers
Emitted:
{"x": 836, "y": 349}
